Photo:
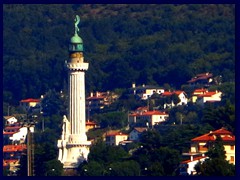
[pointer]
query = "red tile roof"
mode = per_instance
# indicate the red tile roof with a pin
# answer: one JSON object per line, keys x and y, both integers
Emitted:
{"x": 90, "y": 123}
{"x": 200, "y": 77}
{"x": 8, "y": 133}
{"x": 30, "y": 100}
{"x": 12, "y": 127}
{"x": 178, "y": 92}
{"x": 200, "y": 91}
{"x": 208, "y": 94}
{"x": 149, "y": 113}
{"x": 194, "y": 159}
{"x": 8, "y": 161}
{"x": 211, "y": 136}
{"x": 167, "y": 93}
{"x": 14, "y": 148}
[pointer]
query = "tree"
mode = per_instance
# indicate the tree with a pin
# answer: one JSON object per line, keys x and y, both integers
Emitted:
{"x": 53, "y": 168}
{"x": 53, "y": 103}
{"x": 125, "y": 168}
{"x": 175, "y": 99}
{"x": 92, "y": 168}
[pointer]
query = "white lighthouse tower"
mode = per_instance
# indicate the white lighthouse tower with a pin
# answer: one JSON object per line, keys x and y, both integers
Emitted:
{"x": 73, "y": 145}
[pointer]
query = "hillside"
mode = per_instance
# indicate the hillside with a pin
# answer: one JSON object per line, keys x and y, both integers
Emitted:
{"x": 124, "y": 43}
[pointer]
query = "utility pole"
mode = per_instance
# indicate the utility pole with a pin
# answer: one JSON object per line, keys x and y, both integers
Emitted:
{"x": 29, "y": 154}
{"x": 30, "y": 151}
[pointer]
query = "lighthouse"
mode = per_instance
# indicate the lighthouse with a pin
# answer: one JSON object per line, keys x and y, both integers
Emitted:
{"x": 73, "y": 145}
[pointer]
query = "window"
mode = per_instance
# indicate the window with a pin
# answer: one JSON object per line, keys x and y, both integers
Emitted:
{"x": 232, "y": 159}
{"x": 232, "y": 147}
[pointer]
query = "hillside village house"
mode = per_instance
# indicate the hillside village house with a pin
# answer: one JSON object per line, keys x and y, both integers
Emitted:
{"x": 201, "y": 96}
{"x": 115, "y": 138}
{"x": 26, "y": 104}
{"x": 187, "y": 167}
{"x": 148, "y": 118}
{"x": 90, "y": 125}
{"x": 10, "y": 119}
{"x": 204, "y": 79}
{"x": 180, "y": 94}
{"x": 99, "y": 100}
{"x": 12, "y": 155}
{"x": 145, "y": 91}
{"x": 16, "y": 134}
{"x": 209, "y": 97}
{"x": 201, "y": 144}
{"x": 136, "y": 133}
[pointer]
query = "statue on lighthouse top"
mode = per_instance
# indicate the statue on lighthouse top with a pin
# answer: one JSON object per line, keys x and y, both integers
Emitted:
{"x": 77, "y": 21}
{"x": 76, "y": 43}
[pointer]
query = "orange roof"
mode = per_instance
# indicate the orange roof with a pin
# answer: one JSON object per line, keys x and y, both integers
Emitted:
{"x": 13, "y": 148}
{"x": 194, "y": 159}
{"x": 8, "y": 133}
{"x": 149, "y": 113}
{"x": 140, "y": 129}
{"x": 200, "y": 77}
{"x": 8, "y": 161}
{"x": 12, "y": 127}
{"x": 90, "y": 123}
{"x": 116, "y": 134}
{"x": 30, "y": 100}
{"x": 167, "y": 93}
{"x": 196, "y": 91}
{"x": 211, "y": 136}
{"x": 178, "y": 92}
{"x": 207, "y": 94}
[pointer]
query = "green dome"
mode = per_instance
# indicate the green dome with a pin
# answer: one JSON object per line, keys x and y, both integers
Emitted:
{"x": 76, "y": 39}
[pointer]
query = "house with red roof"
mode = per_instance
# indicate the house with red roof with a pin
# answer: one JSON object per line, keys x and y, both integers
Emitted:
{"x": 202, "y": 143}
{"x": 90, "y": 125}
{"x": 99, "y": 100}
{"x": 12, "y": 155}
{"x": 208, "y": 96}
{"x": 26, "y": 104}
{"x": 10, "y": 119}
{"x": 114, "y": 138}
{"x": 16, "y": 133}
{"x": 145, "y": 91}
{"x": 183, "y": 100}
{"x": 147, "y": 118}
{"x": 204, "y": 79}
{"x": 187, "y": 167}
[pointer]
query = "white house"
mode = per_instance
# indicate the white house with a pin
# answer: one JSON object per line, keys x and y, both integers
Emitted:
{"x": 145, "y": 91}
{"x": 17, "y": 133}
{"x": 209, "y": 96}
{"x": 180, "y": 94}
{"x": 135, "y": 134}
{"x": 10, "y": 119}
{"x": 188, "y": 167}
{"x": 149, "y": 118}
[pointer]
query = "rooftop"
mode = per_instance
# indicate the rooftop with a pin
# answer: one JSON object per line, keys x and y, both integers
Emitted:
{"x": 211, "y": 136}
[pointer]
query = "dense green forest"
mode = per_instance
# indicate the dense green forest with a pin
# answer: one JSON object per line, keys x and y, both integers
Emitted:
{"x": 124, "y": 43}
